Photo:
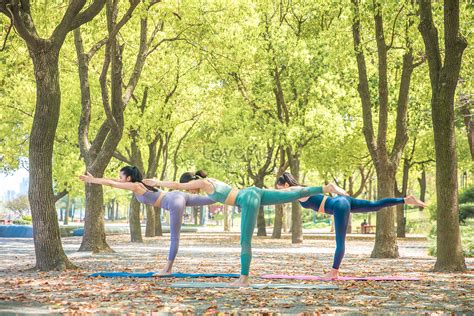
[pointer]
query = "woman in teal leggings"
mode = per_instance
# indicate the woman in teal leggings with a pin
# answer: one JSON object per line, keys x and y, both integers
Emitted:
{"x": 249, "y": 200}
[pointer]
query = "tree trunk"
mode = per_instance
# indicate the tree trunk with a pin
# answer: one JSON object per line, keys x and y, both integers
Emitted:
{"x": 261, "y": 225}
{"x": 115, "y": 96}
{"x": 150, "y": 221}
{"x": 73, "y": 211}
{"x": 94, "y": 228}
{"x": 468, "y": 121}
{"x": 296, "y": 221}
{"x": 386, "y": 238}
{"x": 422, "y": 182}
{"x": 279, "y": 209}
{"x": 226, "y": 219}
{"x": 278, "y": 225}
{"x": 286, "y": 218}
{"x": 401, "y": 219}
{"x": 66, "y": 211}
{"x": 449, "y": 249}
{"x": 113, "y": 208}
{"x": 195, "y": 215}
{"x": 349, "y": 226}
{"x": 117, "y": 215}
{"x": 46, "y": 235}
{"x": 444, "y": 76}
{"x": 135, "y": 227}
{"x": 158, "y": 227}
{"x": 202, "y": 215}
{"x": 369, "y": 197}
{"x": 261, "y": 229}
{"x": 386, "y": 160}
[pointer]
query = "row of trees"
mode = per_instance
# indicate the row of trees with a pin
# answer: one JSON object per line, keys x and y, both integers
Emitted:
{"x": 245, "y": 90}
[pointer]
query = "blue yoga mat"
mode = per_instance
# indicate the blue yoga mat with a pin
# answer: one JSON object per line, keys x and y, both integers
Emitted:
{"x": 152, "y": 274}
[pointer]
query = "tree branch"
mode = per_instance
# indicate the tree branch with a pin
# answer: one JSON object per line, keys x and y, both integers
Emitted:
{"x": 363, "y": 86}
{"x": 84, "y": 121}
{"x": 87, "y": 15}
{"x": 104, "y": 90}
{"x": 23, "y": 23}
{"x": 122, "y": 158}
{"x": 95, "y": 48}
{"x": 383, "y": 80}
{"x": 178, "y": 146}
{"x": 430, "y": 38}
{"x": 393, "y": 27}
{"x": 61, "y": 30}
{"x": 139, "y": 63}
{"x": 60, "y": 195}
{"x": 401, "y": 136}
{"x": 6, "y": 36}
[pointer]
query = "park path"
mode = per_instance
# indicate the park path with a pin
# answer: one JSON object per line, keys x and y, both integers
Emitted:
{"x": 59, "y": 292}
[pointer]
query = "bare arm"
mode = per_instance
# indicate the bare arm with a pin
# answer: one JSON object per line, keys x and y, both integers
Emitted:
{"x": 112, "y": 183}
{"x": 329, "y": 188}
{"x": 192, "y": 185}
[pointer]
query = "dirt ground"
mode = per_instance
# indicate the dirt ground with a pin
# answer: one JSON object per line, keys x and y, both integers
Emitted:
{"x": 24, "y": 291}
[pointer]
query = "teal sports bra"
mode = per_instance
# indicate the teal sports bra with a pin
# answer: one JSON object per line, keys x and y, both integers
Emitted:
{"x": 221, "y": 190}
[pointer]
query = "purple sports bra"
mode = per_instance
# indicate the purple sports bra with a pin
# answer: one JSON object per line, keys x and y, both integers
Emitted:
{"x": 149, "y": 197}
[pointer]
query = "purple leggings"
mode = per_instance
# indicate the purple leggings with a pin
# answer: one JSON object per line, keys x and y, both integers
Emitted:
{"x": 176, "y": 202}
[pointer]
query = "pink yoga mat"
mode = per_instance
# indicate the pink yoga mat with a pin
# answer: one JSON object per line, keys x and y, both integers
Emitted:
{"x": 317, "y": 278}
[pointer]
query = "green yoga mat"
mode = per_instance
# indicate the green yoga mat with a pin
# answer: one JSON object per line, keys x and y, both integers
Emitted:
{"x": 255, "y": 286}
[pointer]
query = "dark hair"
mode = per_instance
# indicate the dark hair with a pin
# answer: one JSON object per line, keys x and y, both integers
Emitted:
{"x": 287, "y": 177}
{"x": 189, "y": 176}
{"x": 135, "y": 175}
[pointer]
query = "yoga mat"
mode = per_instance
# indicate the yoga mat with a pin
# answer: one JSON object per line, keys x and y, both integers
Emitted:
{"x": 317, "y": 278}
{"x": 254, "y": 286}
{"x": 152, "y": 274}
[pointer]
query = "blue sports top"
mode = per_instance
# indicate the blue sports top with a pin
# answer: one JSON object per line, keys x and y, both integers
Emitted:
{"x": 221, "y": 190}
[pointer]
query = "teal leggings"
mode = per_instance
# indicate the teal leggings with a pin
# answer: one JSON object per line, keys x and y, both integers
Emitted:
{"x": 249, "y": 200}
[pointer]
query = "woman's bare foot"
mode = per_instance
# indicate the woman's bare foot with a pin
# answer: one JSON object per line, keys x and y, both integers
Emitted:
{"x": 333, "y": 274}
{"x": 163, "y": 272}
{"x": 243, "y": 280}
{"x": 332, "y": 188}
{"x": 167, "y": 269}
{"x": 413, "y": 200}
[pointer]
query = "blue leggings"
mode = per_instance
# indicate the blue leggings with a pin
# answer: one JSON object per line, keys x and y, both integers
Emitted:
{"x": 341, "y": 207}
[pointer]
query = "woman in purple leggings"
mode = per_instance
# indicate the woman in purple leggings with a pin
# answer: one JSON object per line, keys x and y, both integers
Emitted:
{"x": 175, "y": 202}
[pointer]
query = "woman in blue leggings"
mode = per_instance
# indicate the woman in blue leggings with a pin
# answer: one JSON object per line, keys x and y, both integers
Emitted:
{"x": 341, "y": 207}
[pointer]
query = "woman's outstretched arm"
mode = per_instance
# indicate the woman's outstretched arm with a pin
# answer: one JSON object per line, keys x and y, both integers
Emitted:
{"x": 109, "y": 182}
{"x": 328, "y": 188}
{"x": 192, "y": 185}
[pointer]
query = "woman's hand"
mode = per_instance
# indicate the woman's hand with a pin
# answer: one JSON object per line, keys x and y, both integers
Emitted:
{"x": 332, "y": 188}
{"x": 151, "y": 182}
{"x": 87, "y": 177}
